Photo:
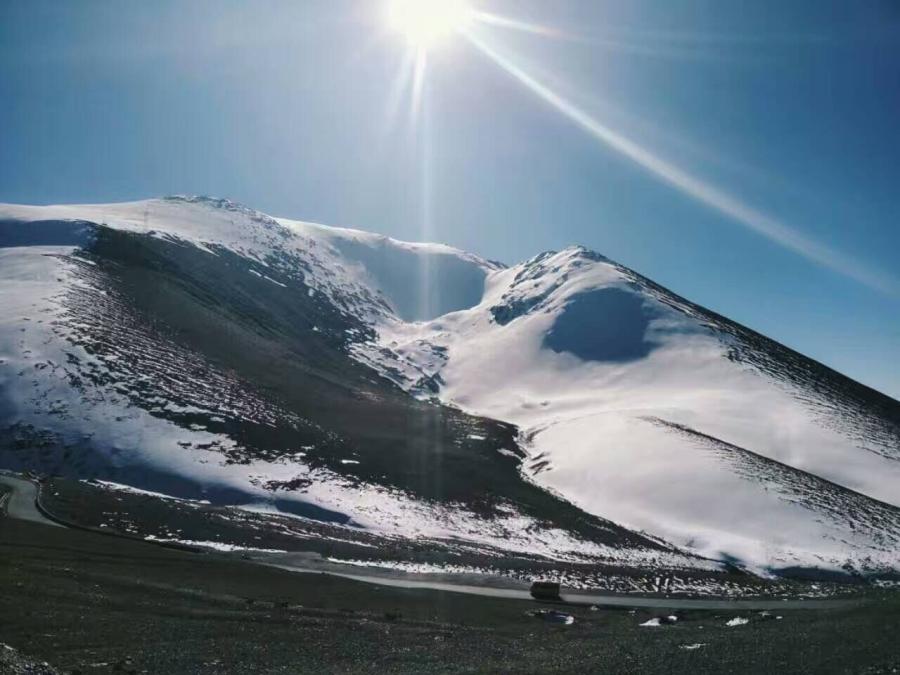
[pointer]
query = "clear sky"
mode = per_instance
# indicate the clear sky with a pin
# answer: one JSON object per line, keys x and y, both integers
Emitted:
{"x": 746, "y": 154}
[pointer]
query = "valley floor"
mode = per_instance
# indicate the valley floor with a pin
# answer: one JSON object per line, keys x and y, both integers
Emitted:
{"x": 90, "y": 603}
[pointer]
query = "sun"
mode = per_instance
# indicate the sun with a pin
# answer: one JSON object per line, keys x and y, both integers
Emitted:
{"x": 425, "y": 23}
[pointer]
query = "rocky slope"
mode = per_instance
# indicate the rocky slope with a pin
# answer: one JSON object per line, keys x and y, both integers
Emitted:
{"x": 565, "y": 407}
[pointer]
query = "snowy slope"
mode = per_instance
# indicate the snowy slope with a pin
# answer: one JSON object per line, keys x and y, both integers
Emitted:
{"x": 217, "y": 357}
{"x": 196, "y": 348}
{"x": 371, "y": 274}
{"x": 639, "y": 406}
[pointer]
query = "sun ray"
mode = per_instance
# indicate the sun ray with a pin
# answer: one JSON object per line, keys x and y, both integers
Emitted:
{"x": 693, "y": 186}
{"x": 523, "y": 26}
{"x": 418, "y": 84}
{"x": 612, "y": 41}
{"x": 402, "y": 82}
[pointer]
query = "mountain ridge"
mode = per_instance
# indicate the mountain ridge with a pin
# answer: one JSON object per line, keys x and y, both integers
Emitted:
{"x": 449, "y": 388}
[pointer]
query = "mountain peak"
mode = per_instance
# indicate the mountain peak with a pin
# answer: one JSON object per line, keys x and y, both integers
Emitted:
{"x": 195, "y": 344}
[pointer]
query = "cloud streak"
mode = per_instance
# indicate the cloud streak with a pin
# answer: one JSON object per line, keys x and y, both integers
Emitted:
{"x": 697, "y": 188}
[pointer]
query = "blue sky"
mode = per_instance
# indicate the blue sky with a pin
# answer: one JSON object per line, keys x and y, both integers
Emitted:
{"x": 788, "y": 110}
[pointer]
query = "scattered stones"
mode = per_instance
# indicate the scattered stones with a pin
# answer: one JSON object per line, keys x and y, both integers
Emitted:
{"x": 660, "y": 621}
{"x": 554, "y": 616}
{"x": 12, "y": 662}
{"x": 768, "y": 616}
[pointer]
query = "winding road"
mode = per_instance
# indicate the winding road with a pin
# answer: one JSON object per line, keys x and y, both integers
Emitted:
{"x": 20, "y": 502}
{"x": 420, "y": 581}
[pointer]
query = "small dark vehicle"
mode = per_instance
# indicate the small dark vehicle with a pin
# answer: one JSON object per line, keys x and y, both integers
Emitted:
{"x": 545, "y": 590}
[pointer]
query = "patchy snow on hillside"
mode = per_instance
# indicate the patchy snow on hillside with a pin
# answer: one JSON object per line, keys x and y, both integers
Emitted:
{"x": 371, "y": 275}
{"x": 631, "y": 408}
{"x": 631, "y": 404}
{"x": 143, "y": 453}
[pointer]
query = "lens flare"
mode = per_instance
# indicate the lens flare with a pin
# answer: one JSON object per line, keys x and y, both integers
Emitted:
{"x": 425, "y": 23}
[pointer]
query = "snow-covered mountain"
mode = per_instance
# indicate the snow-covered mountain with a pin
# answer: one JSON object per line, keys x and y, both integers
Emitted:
{"x": 565, "y": 406}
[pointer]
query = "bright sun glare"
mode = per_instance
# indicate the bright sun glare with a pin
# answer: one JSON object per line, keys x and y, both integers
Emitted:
{"x": 424, "y": 23}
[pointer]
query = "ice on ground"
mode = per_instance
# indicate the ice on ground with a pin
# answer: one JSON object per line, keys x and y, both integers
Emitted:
{"x": 118, "y": 487}
{"x": 217, "y": 545}
{"x": 737, "y": 621}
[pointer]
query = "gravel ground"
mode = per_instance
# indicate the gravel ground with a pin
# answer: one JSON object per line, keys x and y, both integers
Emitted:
{"x": 87, "y": 603}
{"x": 12, "y": 662}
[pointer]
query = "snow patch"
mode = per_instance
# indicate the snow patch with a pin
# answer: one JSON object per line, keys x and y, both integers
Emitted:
{"x": 216, "y": 545}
